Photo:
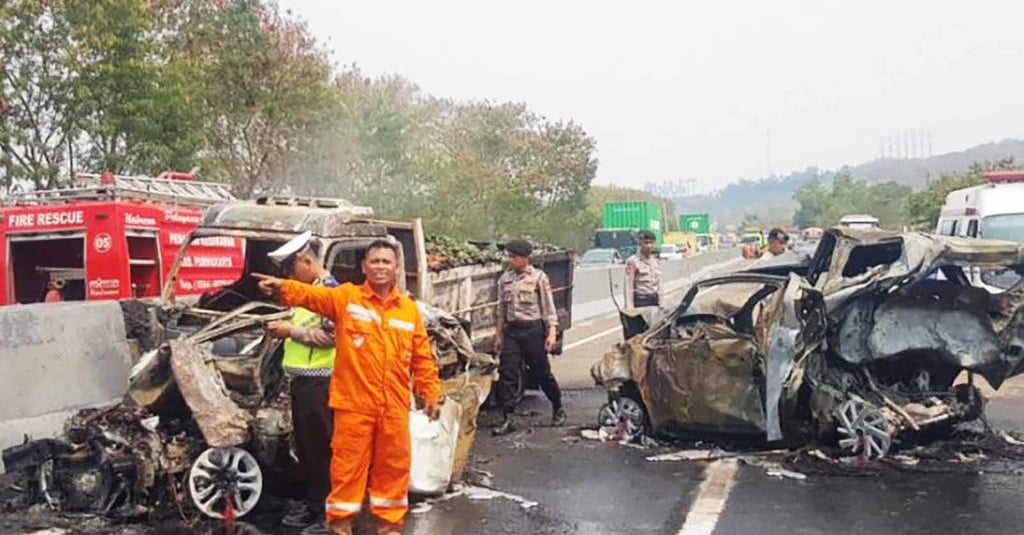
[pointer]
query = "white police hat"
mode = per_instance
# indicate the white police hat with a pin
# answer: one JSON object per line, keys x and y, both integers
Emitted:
{"x": 293, "y": 247}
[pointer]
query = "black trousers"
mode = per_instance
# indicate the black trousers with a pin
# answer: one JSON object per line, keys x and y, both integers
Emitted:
{"x": 525, "y": 342}
{"x": 312, "y": 427}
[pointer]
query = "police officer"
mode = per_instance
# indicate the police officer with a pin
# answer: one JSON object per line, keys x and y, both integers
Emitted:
{"x": 308, "y": 361}
{"x": 643, "y": 275}
{"x": 527, "y": 326}
{"x": 778, "y": 243}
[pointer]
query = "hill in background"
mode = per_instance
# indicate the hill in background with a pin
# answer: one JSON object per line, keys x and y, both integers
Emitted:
{"x": 769, "y": 201}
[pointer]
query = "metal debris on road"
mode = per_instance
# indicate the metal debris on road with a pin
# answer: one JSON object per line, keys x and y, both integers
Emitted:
{"x": 481, "y": 493}
{"x": 691, "y": 455}
{"x": 771, "y": 468}
{"x": 905, "y": 460}
{"x": 1009, "y": 439}
{"x": 472, "y": 492}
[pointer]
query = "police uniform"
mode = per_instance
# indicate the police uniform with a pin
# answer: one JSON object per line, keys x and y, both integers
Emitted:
{"x": 526, "y": 310}
{"x": 308, "y": 361}
{"x": 643, "y": 281}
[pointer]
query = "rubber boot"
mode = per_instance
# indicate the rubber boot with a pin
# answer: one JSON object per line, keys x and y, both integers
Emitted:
{"x": 386, "y": 528}
{"x": 505, "y": 427}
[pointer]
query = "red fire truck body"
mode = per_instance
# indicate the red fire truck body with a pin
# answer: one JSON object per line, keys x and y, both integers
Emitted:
{"x": 112, "y": 237}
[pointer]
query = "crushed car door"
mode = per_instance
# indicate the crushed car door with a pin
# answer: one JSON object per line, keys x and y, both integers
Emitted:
{"x": 793, "y": 332}
{"x": 705, "y": 362}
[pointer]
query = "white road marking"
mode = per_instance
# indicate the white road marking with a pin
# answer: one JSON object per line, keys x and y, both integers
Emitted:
{"x": 712, "y": 495}
{"x": 591, "y": 338}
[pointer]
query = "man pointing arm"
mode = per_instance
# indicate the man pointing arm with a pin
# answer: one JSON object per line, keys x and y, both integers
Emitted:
{"x": 381, "y": 342}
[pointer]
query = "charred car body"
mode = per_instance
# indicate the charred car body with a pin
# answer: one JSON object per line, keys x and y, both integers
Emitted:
{"x": 207, "y": 414}
{"x": 860, "y": 343}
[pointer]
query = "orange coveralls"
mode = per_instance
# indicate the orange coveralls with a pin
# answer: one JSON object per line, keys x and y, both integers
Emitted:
{"x": 380, "y": 343}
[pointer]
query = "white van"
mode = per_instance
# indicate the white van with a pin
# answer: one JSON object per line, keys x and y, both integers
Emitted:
{"x": 994, "y": 210}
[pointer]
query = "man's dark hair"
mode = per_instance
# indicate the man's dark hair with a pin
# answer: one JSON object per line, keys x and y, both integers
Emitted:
{"x": 777, "y": 234}
{"x": 383, "y": 244}
{"x": 646, "y": 235}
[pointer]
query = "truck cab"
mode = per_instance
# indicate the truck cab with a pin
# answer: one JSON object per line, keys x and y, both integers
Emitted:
{"x": 341, "y": 233}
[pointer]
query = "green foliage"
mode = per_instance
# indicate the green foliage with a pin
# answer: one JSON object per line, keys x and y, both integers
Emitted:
{"x": 243, "y": 91}
{"x": 824, "y": 206}
{"x": 471, "y": 170}
{"x": 924, "y": 206}
{"x": 38, "y": 113}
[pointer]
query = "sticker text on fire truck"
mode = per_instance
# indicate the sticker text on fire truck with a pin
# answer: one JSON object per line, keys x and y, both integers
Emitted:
{"x": 47, "y": 219}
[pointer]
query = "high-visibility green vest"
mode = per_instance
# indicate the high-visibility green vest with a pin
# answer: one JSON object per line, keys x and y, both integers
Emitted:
{"x": 301, "y": 358}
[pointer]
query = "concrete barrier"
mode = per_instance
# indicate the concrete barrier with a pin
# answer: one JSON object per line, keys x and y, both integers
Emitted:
{"x": 592, "y": 284}
{"x": 55, "y": 359}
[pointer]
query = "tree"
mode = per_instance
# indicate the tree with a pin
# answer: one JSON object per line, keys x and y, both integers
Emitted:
{"x": 822, "y": 206}
{"x": 924, "y": 206}
{"x": 38, "y": 121}
{"x": 813, "y": 199}
{"x": 136, "y": 103}
{"x": 264, "y": 83}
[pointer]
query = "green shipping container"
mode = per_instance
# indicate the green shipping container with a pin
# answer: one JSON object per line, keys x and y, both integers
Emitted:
{"x": 695, "y": 223}
{"x": 639, "y": 215}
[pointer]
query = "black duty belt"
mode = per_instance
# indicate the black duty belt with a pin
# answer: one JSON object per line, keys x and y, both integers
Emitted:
{"x": 646, "y": 300}
{"x": 525, "y": 324}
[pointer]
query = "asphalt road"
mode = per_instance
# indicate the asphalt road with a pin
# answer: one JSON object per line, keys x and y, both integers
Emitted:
{"x": 547, "y": 480}
{"x": 588, "y": 487}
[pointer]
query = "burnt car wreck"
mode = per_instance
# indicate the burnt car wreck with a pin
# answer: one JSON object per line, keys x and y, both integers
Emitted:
{"x": 205, "y": 426}
{"x": 877, "y": 335}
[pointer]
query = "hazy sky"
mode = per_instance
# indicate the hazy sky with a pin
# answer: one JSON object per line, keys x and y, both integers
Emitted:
{"x": 712, "y": 91}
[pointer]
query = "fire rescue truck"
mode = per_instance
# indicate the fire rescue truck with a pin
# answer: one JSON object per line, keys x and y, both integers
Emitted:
{"x": 109, "y": 236}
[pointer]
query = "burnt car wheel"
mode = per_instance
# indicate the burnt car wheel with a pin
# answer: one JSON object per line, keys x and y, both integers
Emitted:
{"x": 863, "y": 429}
{"x": 969, "y": 397}
{"x": 626, "y": 413}
{"x": 222, "y": 474}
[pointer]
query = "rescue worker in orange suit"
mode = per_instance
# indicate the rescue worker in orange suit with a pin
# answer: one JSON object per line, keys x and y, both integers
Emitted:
{"x": 527, "y": 329}
{"x": 308, "y": 362}
{"x": 381, "y": 341}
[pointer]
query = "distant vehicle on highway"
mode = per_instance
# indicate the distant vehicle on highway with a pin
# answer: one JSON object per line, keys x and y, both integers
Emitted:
{"x": 859, "y": 221}
{"x": 595, "y": 258}
{"x": 729, "y": 240}
{"x": 671, "y": 251}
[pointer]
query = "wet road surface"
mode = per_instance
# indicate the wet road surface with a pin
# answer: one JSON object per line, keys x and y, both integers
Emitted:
{"x": 601, "y": 488}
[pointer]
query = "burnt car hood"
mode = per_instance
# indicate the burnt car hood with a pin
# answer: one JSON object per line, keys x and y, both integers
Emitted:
{"x": 904, "y": 294}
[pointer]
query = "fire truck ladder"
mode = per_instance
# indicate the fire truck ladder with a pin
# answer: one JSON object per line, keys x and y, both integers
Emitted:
{"x": 88, "y": 186}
